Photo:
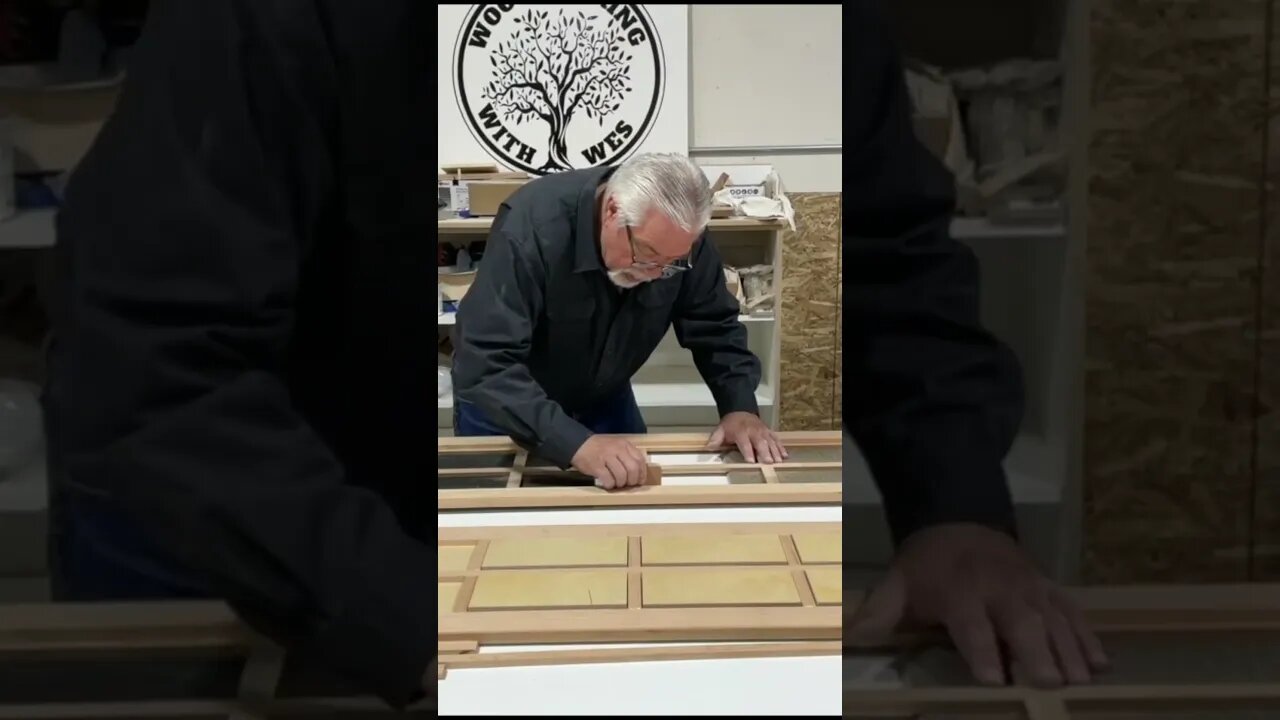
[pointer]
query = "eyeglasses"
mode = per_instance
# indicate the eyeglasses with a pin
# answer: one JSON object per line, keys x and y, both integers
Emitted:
{"x": 668, "y": 270}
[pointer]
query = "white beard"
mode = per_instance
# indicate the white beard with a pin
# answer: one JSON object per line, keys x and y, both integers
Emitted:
{"x": 624, "y": 279}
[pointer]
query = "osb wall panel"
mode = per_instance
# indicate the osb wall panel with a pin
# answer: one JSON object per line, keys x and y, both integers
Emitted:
{"x": 1174, "y": 225}
{"x": 837, "y": 409}
{"x": 810, "y": 283}
{"x": 1266, "y": 548}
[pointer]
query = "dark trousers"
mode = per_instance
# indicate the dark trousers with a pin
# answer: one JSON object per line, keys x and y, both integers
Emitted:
{"x": 618, "y": 414}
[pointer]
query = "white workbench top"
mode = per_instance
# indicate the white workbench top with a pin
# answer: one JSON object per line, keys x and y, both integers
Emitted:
{"x": 741, "y": 686}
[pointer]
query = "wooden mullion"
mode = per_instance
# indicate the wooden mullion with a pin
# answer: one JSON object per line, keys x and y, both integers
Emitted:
{"x": 699, "y": 469}
{"x": 474, "y": 565}
{"x": 635, "y": 597}
{"x": 798, "y": 568}
{"x": 658, "y": 442}
{"x": 469, "y": 535}
{"x": 642, "y": 654}
{"x": 516, "y": 477}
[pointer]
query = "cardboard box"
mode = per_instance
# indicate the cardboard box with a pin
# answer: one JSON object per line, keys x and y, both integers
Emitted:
{"x": 743, "y": 180}
{"x": 486, "y": 196}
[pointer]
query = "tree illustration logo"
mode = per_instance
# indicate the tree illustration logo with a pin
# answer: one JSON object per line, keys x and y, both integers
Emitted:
{"x": 548, "y": 88}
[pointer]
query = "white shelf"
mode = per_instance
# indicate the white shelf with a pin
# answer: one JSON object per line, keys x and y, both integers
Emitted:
{"x": 961, "y": 227}
{"x": 452, "y": 318}
{"x": 481, "y": 225}
{"x": 29, "y": 229}
{"x": 967, "y": 228}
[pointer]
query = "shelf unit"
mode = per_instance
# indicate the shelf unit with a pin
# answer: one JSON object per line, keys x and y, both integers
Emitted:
{"x": 1032, "y": 277}
{"x": 668, "y": 388}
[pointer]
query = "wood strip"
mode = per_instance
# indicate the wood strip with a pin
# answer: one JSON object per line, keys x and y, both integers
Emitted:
{"x": 797, "y": 572}
{"x": 516, "y": 476}
{"x": 693, "y": 568}
{"x": 231, "y": 641}
{"x": 79, "y": 628}
{"x": 669, "y": 470}
{"x": 259, "y": 679}
{"x": 1216, "y": 696}
{"x": 645, "y": 654}
{"x": 770, "y": 472}
{"x": 655, "y": 442}
{"x": 634, "y": 584}
{"x": 457, "y": 647}
{"x": 203, "y": 709}
{"x": 1115, "y": 609}
{"x": 455, "y": 535}
{"x": 1046, "y": 706}
{"x": 661, "y": 495}
{"x": 648, "y": 625}
{"x": 261, "y": 673}
{"x": 468, "y": 588}
{"x": 652, "y": 474}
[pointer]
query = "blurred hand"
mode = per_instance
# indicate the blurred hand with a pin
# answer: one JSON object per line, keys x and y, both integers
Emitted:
{"x": 612, "y": 461}
{"x": 750, "y": 435}
{"x": 980, "y": 585}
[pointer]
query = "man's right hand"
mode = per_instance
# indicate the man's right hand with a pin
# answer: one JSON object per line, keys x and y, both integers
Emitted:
{"x": 612, "y": 461}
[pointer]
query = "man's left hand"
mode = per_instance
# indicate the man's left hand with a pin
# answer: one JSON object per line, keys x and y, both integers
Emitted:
{"x": 750, "y": 435}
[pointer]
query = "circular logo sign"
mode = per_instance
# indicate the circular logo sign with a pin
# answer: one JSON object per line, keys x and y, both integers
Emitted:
{"x": 547, "y": 88}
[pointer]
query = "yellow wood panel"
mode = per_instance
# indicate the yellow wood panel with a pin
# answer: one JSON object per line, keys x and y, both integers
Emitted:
{"x": 453, "y": 558}
{"x": 712, "y": 549}
{"x": 820, "y": 547}
{"x": 826, "y": 585}
{"x": 550, "y": 589}
{"x": 556, "y": 552}
{"x": 447, "y": 592}
{"x": 748, "y": 586}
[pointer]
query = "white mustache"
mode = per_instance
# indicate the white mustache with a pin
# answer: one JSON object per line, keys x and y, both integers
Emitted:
{"x": 625, "y": 280}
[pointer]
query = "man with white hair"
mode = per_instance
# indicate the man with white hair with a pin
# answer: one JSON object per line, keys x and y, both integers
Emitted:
{"x": 583, "y": 274}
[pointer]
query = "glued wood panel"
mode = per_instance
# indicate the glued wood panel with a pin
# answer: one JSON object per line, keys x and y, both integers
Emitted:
{"x": 703, "y": 550}
{"x": 453, "y": 558}
{"x": 826, "y": 584}
{"x": 556, "y": 552}
{"x": 446, "y": 593}
{"x": 561, "y": 589}
{"x": 820, "y": 547}
{"x": 719, "y": 586}
{"x": 719, "y": 576}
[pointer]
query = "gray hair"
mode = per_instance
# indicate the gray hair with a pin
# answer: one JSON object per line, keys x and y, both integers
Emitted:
{"x": 670, "y": 183}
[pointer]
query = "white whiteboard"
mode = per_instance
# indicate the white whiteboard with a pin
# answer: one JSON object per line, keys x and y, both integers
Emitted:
{"x": 766, "y": 75}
